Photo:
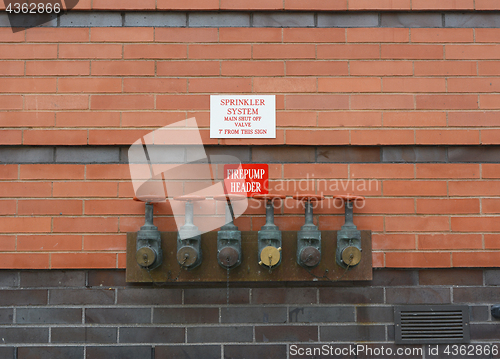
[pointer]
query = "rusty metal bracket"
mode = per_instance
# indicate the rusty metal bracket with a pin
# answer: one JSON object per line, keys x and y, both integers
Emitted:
{"x": 209, "y": 271}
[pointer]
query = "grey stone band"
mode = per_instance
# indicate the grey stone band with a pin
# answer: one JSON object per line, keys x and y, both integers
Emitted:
{"x": 263, "y": 19}
{"x": 263, "y": 154}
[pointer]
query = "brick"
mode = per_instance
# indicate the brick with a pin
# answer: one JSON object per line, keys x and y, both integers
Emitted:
{"x": 407, "y": 52}
{"x": 132, "y": 34}
{"x": 443, "y": 137}
{"x": 414, "y": 119}
{"x": 491, "y": 277}
{"x": 317, "y": 102}
{"x": 28, "y": 85}
{"x": 214, "y": 85}
{"x": 380, "y": 68}
{"x": 393, "y": 241}
{"x": 24, "y": 335}
{"x": 151, "y": 335}
{"x": 379, "y": 5}
{"x": 484, "y": 331}
{"x": 8, "y": 207}
{"x": 186, "y": 34}
{"x": 348, "y": 51}
{"x": 11, "y": 102}
{"x": 244, "y": 5}
{"x": 50, "y": 243}
{"x": 182, "y": 102}
{"x": 8, "y": 171}
{"x": 25, "y": 189}
{"x": 488, "y": 67}
{"x": 491, "y": 241}
{"x": 47, "y": 34}
{"x": 379, "y": 35}
{"x": 52, "y": 278}
{"x": 462, "y": 277}
{"x": 374, "y": 314}
{"x": 254, "y": 315}
{"x": 379, "y": 102}
{"x": 115, "y": 137}
{"x": 489, "y": 101}
{"x": 220, "y": 51}
{"x": 447, "y": 206}
{"x": 443, "y": 5}
{"x": 213, "y": 334}
{"x": 473, "y": 85}
{"x": 449, "y": 241}
{"x": 475, "y": 259}
{"x": 252, "y": 68}
{"x": 23, "y": 297}
{"x": 250, "y": 34}
{"x": 315, "y": 171}
{"x": 8, "y": 243}
{"x": 28, "y": 51}
{"x": 12, "y": 68}
{"x": 83, "y": 335}
{"x": 86, "y": 85}
{"x": 51, "y": 171}
{"x": 55, "y": 137}
{"x": 414, "y": 85}
{"x": 193, "y": 351}
{"x": 188, "y": 68}
{"x": 6, "y": 316}
{"x": 394, "y": 277}
{"x": 362, "y": 187}
{"x": 318, "y": 137}
{"x": 381, "y": 137}
{"x": 107, "y": 172}
{"x": 315, "y": 68}
{"x": 149, "y": 296}
{"x": 81, "y": 297}
{"x": 24, "y": 261}
{"x": 296, "y": 84}
{"x": 25, "y": 224}
{"x": 152, "y": 51}
{"x": 350, "y": 119}
{"x": 490, "y": 171}
{"x": 472, "y": 119}
{"x": 90, "y": 51}
{"x": 442, "y": 35}
{"x": 411, "y": 19}
{"x": 427, "y": 170}
{"x": 122, "y": 102}
{"x": 490, "y": 205}
{"x": 313, "y": 35}
{"x": 349, "y": 85}
{"x": 475, "y": 224}
{"x": 360, "y": 332}
{"x": 442, "y": 102}
{"x": 314, "y": 5}
{"x": 83, "y": 260}
{"x": 417, "y": 259}
{"x": 122, "y": 352}
{"x": 216, "y": 296}
{"x": 283, "y": 20}
{"x": 57, "y": 68}
{"x": 418, "y": 295}
{"x": 286, "y": 333}
{"x": 185, "y": 315}
{"x": 56, "y": 102}
{"x": 7, "y": 35}
{"x": 74, "y": 225}
{"x": 477, "y": 188}
{"x": 123, "y": 5}
{"x": 417, "y": 224}
{"x": 159, "y": 85}
{"x": 334, "y": 314}
{"x": 26, "y": 119}
{"x": 446, "y": 68}
{"x": 351, "y": 20}
{"x": 382, "y": 171}
{"x": 471, "y": 52}
{"x": 351, "y": 295}
{"x": 107, "y": 278}
{"x": 104, "y": 243}
{"x": 486, "y": 4}
{"x": 283, "y": 51}
{"x": 48, "y": 315}
{"x": 123, "y": 68}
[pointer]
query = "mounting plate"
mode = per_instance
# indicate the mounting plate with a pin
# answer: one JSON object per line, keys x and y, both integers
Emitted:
{"x": 249, "y": 270}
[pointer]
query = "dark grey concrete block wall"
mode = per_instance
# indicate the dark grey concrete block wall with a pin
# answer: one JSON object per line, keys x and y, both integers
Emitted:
{"x": 96, "y": 314}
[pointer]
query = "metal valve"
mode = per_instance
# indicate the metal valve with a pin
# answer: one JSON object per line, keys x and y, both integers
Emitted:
{"x": 269, "y": 235}
{"x": 348, "y": 252}
{"x": 189, "y": 237}
{"x": 148, "y": 246}
{"x": 309, "y": 237}
{"x": 229, "y": 237}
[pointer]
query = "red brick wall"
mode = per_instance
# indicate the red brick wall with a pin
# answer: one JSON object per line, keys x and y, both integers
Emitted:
{"x": 354, "y": 86}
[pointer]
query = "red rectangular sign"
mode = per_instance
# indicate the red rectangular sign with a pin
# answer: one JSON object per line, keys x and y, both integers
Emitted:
{"x": 246, "y": 179}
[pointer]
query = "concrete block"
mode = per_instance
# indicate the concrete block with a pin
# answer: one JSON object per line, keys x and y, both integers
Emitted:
{"x": 30, "y": 20}
{"x": 410, "y": 154}
{"x": 156, "y": 19}
{"x": 81, "y": 19}
{"x": 87, "y": 155}
{"x": 348, "y": 20}
{"x": 233, "y": 19}
{"x": 283, "y": 20}
{"x": 21, "y": 154}
{"x": 411, "y": 20}
{"x": 472, "y": 20}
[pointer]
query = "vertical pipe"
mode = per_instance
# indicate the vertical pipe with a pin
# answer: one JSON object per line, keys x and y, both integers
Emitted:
{"x": 189, "y": 212}
{"x": 309, "y": 213}
{"x": 348, "y": 212}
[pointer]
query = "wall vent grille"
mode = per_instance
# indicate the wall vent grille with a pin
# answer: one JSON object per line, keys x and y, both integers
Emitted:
{"x": 428, "y": 324}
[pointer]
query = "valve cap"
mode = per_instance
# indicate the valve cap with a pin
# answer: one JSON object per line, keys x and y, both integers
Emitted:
{"x": 310, "y": 256}
{"x": 145, "y": 257}
{"x": 187, "y": 256}
{"x": 228, "y": 257}
{"x": 351, "y": 256}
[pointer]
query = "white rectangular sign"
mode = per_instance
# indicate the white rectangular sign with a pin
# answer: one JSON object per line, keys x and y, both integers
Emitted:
{"x": 242, "y": 116}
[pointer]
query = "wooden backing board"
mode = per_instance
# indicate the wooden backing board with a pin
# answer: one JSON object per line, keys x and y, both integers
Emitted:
{"x": 249, "y": 270}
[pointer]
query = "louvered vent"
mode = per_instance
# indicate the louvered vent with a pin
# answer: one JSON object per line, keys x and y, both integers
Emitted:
{"x": 426, "y": 324}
